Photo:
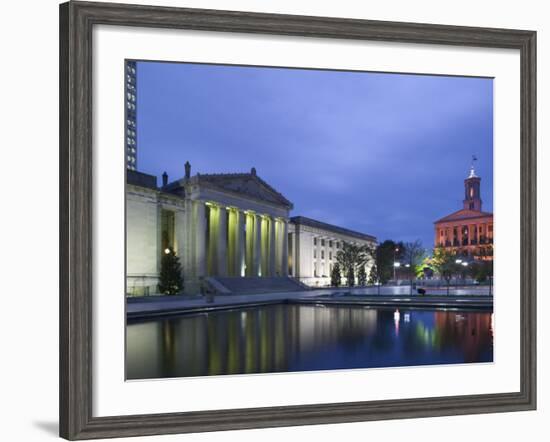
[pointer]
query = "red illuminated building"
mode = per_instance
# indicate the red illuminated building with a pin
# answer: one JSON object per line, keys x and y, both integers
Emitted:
{"x": 468, "y": 231}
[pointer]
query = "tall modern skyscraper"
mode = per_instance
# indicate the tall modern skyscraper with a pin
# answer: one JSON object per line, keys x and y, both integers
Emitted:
{"x": 131, "y": 120}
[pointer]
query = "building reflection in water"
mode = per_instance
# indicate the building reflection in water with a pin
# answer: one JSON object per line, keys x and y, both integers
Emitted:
{"x": 283, "y": 338}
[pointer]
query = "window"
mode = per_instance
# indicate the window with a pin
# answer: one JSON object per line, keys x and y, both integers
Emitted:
{"x": 322, "y": 254}
{"x": 329, "y": 255}
{"x": 330, "y": 243}
{"x": 314, "y": 241}
{"x": 314, "y": 253}
{"x": 323, "y": 242}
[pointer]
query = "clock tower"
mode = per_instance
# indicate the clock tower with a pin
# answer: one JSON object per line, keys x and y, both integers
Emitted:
{"x": 472, "y": 194}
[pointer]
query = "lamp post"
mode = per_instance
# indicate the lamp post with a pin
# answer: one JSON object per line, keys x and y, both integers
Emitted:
{"x": 395, "y": 265}
{"x": 465, "y": 265}
{"x": 395, "y": 251}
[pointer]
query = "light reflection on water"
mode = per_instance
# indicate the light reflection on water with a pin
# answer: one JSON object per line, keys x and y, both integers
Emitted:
{"x": 283, "y": 338}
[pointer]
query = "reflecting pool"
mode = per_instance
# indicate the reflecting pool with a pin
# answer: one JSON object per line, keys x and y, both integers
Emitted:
{"x": 280, "y": 338}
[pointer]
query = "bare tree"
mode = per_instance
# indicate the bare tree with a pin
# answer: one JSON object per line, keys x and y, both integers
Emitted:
{"x": 413, "y": 254}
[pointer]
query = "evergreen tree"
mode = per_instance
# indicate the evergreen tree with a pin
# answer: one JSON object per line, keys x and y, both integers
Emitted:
{"x": 350, "y": 277}
{"x": 373, "y": 275}
{"x": 362, "y": 276}
{"x": 352, "y": 257}
{"x": 171, "y": 281}
{"x": 335, "y": 276}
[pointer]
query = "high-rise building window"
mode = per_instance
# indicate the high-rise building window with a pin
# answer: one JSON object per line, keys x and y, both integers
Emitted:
{"x": 131, "y": 82}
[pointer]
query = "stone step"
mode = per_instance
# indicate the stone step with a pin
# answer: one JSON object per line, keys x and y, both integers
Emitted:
{"x": 258, "y": 285}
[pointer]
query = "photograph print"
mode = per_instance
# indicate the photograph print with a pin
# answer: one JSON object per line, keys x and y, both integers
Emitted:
{"x": 299, "y": 219}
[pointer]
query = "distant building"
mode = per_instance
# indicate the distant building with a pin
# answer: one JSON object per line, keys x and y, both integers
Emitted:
{"x": 224, "y": 227}
{"x": 313, "y": 246}
{"x": 468, "y": 231}
{"x": 131, "y": 120}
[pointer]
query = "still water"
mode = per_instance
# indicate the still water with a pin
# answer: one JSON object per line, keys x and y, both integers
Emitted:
{"x": 281, "y": 338}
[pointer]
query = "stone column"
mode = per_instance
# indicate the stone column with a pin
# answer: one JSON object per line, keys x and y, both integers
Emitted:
{"x": 257, "y": 259}
{"x": 320, "y": 256}
{"x": 249, "y": 243}
{"x": 240, "y": 244}
{"x": 272, "y": 247}
{"x": 199, "y": 224}
{"x": 296, "y": 268}
{"x": 180, "y": 241}
{"x": 284, "y": 264}
{"x": 221, "y": 246}
{"x": 231, "y": 241}
{"x": 291, "y": 252}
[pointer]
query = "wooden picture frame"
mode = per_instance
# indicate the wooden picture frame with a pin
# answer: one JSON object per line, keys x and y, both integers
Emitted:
{"x": 76, "y": 243}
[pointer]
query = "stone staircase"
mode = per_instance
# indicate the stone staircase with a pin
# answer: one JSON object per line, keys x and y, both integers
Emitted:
{"x": 255, "y": 285}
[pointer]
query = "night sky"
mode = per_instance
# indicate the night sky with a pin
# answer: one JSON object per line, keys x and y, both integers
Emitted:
{"x": 383, "y": 154}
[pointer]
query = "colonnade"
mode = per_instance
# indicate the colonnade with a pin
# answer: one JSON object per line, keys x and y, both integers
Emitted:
{"x": 466, "y": 234}
{"x": 238, "y": 243}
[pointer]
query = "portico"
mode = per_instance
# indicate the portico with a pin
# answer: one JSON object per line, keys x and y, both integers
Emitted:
{"x": 238, "y": 226}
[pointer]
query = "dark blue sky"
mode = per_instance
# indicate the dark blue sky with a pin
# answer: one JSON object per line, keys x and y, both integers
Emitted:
{"x": 384, "y": 154}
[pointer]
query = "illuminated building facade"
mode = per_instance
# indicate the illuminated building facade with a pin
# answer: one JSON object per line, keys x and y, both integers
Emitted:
{"x": 313, "y": 247}
{"x": 469, "y": 231}
{"x": 223, "y": 226}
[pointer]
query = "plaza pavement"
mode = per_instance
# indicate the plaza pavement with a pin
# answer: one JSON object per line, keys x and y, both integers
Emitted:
{"x": 399, "y": 297}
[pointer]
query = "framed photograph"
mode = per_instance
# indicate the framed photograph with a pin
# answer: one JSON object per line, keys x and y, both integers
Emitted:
{"x": 271, "y": 220}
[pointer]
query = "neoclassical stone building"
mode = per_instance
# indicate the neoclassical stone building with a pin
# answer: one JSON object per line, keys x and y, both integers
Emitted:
{"x": 468, "y": 231}
{"x": 313, "y": 246}
{"x": 223, "y": 227}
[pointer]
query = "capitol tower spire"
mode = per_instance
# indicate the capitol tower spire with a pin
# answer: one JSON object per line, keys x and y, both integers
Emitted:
{"x": 472, "y": 189}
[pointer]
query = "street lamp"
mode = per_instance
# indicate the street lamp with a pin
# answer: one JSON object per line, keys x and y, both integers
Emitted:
{"x": 458, "y": 261}
{"x": 395, "y": 265}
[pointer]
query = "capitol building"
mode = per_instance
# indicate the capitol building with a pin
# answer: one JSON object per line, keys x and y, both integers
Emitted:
{"x": 230, "y": 231}
{"x": 468, "y": 232}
